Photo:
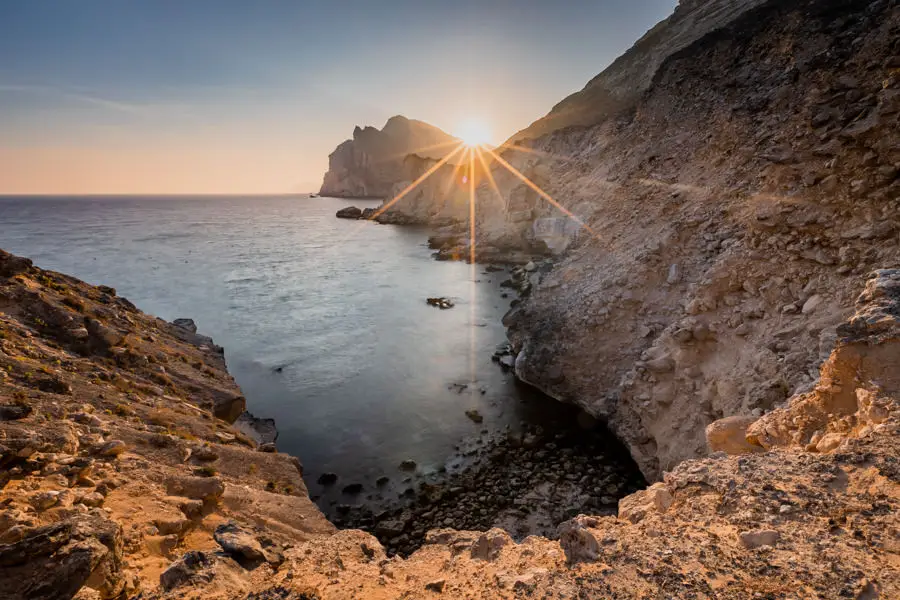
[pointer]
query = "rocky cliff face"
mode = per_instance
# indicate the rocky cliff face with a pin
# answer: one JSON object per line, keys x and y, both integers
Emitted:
{"x": 118, "y": 481}
{"x": 732, "y": 208}
{"x": 117, "y": 456}
{"x": 631, "y": 74}
{"x": 370, "y": 164}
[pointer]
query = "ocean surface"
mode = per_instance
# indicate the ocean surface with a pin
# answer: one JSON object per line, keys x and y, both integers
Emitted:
{"x": 323, "y": 320}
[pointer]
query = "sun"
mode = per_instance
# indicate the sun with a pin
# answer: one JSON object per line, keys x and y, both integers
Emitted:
{"x": 474, "y": 133}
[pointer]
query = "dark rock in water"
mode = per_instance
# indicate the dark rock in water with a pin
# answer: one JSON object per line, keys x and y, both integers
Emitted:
{"x": 327, "y": 478}
{"x": 493, "y": 269}
{"x": 368, "y": 213}
{"x": 278, "y": 369}
{"x": 186, "y": 324}
{"x": 261, "y": 431}
{"x": 350, "y": 212}
{"x": 56, "y": 560}
{"x": 442, "y": 303}
{"x": 353, "y": 488}
{"x": 475, "y": 416}
{"x": 240, "y": 544}
{"x": 383, "y": 480}
{"x": 408, "y": 465}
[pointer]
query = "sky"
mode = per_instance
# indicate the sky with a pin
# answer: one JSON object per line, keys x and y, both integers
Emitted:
{"x": 238, "y": 97}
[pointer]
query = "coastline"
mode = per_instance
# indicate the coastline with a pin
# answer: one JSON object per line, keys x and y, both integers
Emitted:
{"x": 158, "y": 495}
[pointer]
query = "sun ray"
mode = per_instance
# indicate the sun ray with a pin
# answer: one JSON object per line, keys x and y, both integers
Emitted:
{"x": 490, "y": 176}
{"x": 406, "y": 190}
{"x": 472, "y": 288}
{"x": 471, "y": 206}
{"x": 415, "y": 183}
{"x": 516, "y": 173}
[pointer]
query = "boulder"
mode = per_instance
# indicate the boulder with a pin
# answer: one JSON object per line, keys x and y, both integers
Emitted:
{"x": 655, "y": 498}
{"x": 187, "y": 324}
{"x": 350, "y": 212}
{"x": 759, "y": 537}
{"x": 490, "y": 543}
{"x": 240, "y": 544}
{"x": 11, "y": 265}
{"x": 56, "y": 561}
{"x": 193, "y": 568}
{"x": 208, "y": 489}
{"x": 729, "y": 435}
{"x": 261, "y": 431}
{"x": 578, "y": 541}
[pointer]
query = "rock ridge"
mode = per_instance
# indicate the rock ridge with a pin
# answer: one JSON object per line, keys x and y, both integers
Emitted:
{"x": 374, "y": 161}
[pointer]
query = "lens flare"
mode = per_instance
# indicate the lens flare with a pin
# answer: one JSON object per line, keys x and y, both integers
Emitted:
{"x": 474, "y": 133}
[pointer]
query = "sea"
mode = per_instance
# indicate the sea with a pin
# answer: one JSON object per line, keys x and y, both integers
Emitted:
{"x": 324, "y": 321}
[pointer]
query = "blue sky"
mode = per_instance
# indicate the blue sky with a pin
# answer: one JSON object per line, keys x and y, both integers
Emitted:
{"x": 164, "y": 96}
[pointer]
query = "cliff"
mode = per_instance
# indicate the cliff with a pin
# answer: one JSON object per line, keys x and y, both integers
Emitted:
{"x": 732, "y": 209}
{"x": 117, "y": 453}
{"x": 630, "y": 75}
{"x": 370, "y": 164}
{"x": 119, "y": 481}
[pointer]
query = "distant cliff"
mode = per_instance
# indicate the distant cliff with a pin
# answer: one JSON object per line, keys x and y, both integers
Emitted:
{"x": 372, "y": 162}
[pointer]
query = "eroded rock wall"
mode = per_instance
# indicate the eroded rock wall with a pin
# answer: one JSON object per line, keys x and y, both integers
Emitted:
{"x": 117, "y": 453}
{"x": 113, "y": 490}
{"x": 373, "y": 162}
{"x": 731, "y": 214}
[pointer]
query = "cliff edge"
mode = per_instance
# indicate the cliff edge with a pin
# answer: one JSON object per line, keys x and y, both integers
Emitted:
{"x": 118, "y": 481}
{"x": 370, "y": 164}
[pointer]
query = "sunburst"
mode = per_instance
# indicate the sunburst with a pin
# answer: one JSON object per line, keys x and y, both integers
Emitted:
{"x": 473, "y": 136}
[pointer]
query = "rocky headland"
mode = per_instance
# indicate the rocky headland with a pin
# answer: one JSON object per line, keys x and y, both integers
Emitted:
{"x": 123, "y": 478}
{"x": 370, "y": 164}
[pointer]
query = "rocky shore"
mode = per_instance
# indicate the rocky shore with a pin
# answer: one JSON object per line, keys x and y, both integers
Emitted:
{"x": 526, "y": 483}
{"x": 118, "y": 482}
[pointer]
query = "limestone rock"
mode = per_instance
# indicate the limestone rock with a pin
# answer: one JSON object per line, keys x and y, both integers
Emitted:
{"x": 208, "y": 489}
{"x": 56, "y": 560}
{"x": 759, "y": 537}
{"x": 489, "y": 545}
{"x": 372, "y": 163}
{"x": 240, "y": 544}
{"x": 635, "y": 507}
{"x": 578, "y": 540}
{"x": 730, "y": 435}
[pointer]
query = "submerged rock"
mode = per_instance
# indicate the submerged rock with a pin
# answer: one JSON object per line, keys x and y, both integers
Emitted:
{"x": 442, "y": 303}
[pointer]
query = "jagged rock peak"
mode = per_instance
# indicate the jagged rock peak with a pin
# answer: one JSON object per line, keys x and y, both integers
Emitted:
{"x": 371, "y": 164}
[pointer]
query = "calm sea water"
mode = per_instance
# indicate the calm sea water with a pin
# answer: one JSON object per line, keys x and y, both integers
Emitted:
{"x": 367, "y": 369}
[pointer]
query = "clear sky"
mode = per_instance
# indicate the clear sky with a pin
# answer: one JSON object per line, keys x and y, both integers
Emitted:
{"x": 228, "y": 96}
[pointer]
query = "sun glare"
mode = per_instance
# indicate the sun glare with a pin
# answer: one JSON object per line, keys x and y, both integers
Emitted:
{"x": 474, "y": 132}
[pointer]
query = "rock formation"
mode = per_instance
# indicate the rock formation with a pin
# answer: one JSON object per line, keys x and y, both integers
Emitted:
{"x": 116, "y": 452}
{"x": 732, "y": 208}
{"x": 373, "y": 162}
{"x": 119, "y": 483}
